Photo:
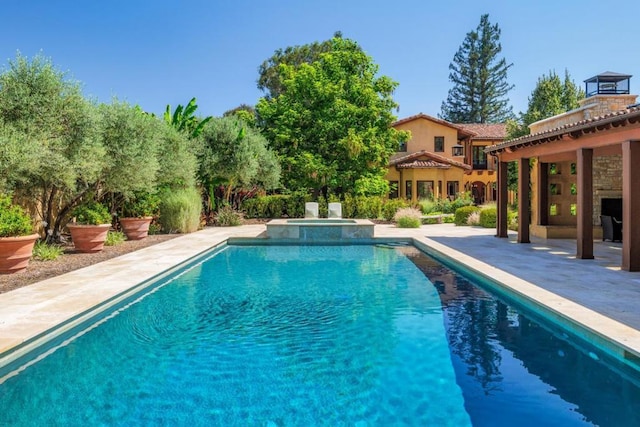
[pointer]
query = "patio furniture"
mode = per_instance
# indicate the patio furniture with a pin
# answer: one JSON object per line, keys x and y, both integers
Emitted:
{"x": 611, "y": 228}
{"x": 311, "y": 210}
{"x": 335, "y": 210}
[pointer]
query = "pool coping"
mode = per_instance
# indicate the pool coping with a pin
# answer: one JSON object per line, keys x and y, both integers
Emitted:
{"x": 616, "y": 338}
{"x": 28, "y": 313}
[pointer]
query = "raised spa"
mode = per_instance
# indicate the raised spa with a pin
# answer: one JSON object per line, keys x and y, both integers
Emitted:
{"x": 320, "y": 229}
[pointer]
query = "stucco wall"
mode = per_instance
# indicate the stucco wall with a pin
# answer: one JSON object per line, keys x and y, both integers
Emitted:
{"x": 424, "y": 131}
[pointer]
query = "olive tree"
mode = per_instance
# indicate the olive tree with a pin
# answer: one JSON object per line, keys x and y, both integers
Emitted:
{"x": 45, "y": 117}
{"x": 73, "y": 150}
{"x": 237, "y": 157}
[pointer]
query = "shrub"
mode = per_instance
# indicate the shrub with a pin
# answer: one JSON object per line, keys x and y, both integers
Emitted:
{"x": 461, "y": 200}
{"x": 141, "y": 205}
{"x": 227, "y": 217}
{"x": 512, "y": 220}
{"x": 462, "y": 214}
{"x": 408, "y": 218}
{"x": 428, "y": 206}
{"x": 180, "y": 210}
{"x": 92, "y": 213}
{"x": 294, "y": 204}
{"x": 349, "y": 206}
{"x": 488, "y": 217}
{"x": 14, "y": 221}
{"x": 449, "y": 219}
{"x": 368, "y": 207}
{"x": 267, "y": 206}
{"x": 46, "y": 252}
{"x": 114, "y": 238}
{"x": 154, "y": 228}
{"x": 391, "y": 206}
{"x": 474, "y": 218}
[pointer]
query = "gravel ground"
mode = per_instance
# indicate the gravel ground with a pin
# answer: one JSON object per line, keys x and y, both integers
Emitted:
{"x": 72, "y": 260}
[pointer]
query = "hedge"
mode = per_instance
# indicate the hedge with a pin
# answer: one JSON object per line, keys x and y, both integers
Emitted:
{"x": 462, "y": 214}
{"x": 488, "y": 217}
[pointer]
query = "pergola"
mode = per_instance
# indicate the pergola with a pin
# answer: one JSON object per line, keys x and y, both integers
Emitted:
{"x": 614, "y": 133}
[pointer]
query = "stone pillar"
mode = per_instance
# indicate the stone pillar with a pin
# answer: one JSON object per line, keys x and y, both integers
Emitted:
{"x": 502, "y": 220}
{"x": 585, "y": 203}
{"x": 630, "y": 205}
{"x": 542, "y": 190}
{"x": 524, "y": 178}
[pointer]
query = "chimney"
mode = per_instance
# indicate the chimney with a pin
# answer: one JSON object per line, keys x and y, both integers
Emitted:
{"x": 605, "y": 93}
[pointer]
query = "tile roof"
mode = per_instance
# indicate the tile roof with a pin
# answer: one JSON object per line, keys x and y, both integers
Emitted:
{"x": 423, "y": 164}
{"x": 413, "y": 160}
{"x": 485, "y": 130}
{"x": 593, "y": 125}
{"x": 430, "y": 118}
{"x": 474, "y": 130}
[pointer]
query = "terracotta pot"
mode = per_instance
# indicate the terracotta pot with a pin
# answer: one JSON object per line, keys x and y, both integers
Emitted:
{"x": 88, "y": 238}
{"x": 15, "y": 253}
{"x": 136, "y": 228}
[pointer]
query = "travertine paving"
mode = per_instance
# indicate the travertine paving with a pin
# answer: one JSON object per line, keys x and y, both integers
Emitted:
{"x": 594, "y": 292}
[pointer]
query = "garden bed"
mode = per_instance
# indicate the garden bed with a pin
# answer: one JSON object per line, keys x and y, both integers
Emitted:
{"x": 71, "y": 260}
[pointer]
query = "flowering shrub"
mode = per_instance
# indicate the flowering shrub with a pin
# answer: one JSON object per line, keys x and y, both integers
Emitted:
{"x": 408, "y": 218}
{"x": 473, "y": 218}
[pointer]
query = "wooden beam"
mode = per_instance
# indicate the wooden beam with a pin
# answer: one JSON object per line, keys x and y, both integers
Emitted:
{"x": 502, "y": 220}
{"x": 542, "y": 190}
{"x": 524, "y": 217}
{"x": 585, "y": 203}
{"x": 566, "y": 144}
{"x": 631, "y": 206}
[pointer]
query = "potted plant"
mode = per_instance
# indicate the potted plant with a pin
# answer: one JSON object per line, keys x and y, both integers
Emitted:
{"x": 16, "y": 237}
{"x": 137, "y": 215}
{"x": 89, "y": 230}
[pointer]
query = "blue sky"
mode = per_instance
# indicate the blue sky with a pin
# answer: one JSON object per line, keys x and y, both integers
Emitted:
{"x": 155, "y": 53}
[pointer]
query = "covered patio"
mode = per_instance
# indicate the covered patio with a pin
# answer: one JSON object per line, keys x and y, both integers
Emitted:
{"x": 577, "y": 145}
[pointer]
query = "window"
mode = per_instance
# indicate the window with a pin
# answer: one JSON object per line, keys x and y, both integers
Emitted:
{"x": 453, "y": 188}
{"x": 393, "y": 189}
{"x": 554, "y": 189}
{"x": 554, "y": 209}
{"x": 439, "y": 189}
{"x": 573, "y": 168}
{"x": 438, "y": 144}
{"x": 457, "y": 150}
{"x": 554, "y": 169}
{"x": 402, "y": 146}
{"x": 479, "y": 158}
{"x": 425, "y": 190}
{"x": 407, "y": 189}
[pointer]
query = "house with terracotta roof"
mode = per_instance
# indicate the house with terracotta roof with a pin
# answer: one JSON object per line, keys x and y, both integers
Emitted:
{"x": 442, "y": 159}
{"x": 578, "y": 167}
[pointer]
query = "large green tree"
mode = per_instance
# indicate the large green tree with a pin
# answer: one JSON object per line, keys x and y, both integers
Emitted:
{"x": 479, "y": 77}
{"x": 244, "y": 112}
{"x": 331, "y": 122}
{"x": 270, "y": 73}
{"x": 551, "y": 96}
{"x": 236, "y": 157}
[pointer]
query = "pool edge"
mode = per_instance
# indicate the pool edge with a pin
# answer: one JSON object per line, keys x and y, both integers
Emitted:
{"x": 615, "y": 338}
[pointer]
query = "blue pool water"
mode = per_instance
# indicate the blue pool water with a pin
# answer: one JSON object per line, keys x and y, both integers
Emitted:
{"x": 319, "y": 335}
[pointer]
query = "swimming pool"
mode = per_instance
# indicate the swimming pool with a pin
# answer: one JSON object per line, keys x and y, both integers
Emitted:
{"x": 317, "y": 335}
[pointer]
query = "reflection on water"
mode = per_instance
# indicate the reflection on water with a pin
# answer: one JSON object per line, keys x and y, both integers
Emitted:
{"x": 513, "y": 371}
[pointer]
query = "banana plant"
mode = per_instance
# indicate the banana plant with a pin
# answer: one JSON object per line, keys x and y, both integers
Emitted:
{"x": 184, "y": 119}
